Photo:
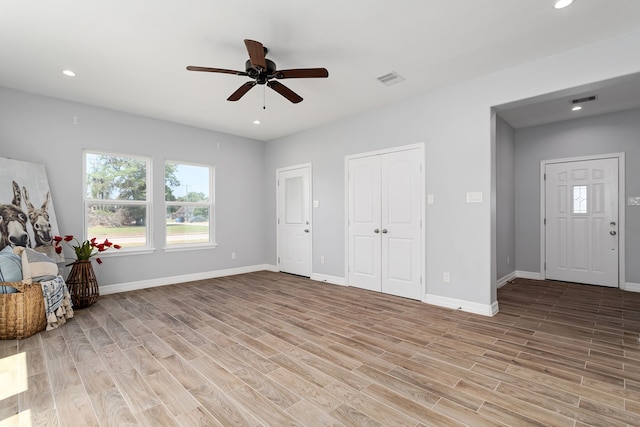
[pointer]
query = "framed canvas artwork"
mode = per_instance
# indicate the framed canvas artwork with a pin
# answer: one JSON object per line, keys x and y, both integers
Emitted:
{"x": 27, "y": 217}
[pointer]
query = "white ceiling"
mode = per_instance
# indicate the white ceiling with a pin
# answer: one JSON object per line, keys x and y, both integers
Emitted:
{"x": 131, "y": 55}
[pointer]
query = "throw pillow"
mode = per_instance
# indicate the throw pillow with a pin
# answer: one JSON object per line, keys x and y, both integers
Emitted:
{"x": 10, "y": 270}
{"x": 37, "y": 266}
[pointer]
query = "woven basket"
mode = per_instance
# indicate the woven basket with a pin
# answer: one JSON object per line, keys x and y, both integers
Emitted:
{"x": 22, "y": 314}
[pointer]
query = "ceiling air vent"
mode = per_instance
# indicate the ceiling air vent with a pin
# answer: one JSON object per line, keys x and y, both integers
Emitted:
{"x": 583, "y": 100}
{"x": 391, "y": 78}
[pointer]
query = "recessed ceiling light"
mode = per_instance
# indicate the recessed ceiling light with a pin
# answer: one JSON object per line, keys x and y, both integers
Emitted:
{"x": 256, "y": 122}
{"x": 69, "y": 73}
{"x": 561, "y": 4}
{"x": 576, "y": 108}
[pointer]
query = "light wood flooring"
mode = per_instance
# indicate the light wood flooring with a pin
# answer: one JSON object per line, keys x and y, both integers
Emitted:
{"x": 269, "y": 349}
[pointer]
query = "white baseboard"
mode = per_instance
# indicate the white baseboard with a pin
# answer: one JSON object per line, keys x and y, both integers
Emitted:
{"x": 458, "y": 304}
{"x": 163, "y": 281}
{"x": 507, "y": 278}
{"x": 628, "y": 286}
{"x": 632, "y": 287}
{"x": 528, "y": 275}
{"x": 335, "y": 280}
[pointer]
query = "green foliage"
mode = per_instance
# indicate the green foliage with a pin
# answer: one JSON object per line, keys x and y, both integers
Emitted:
{"x": 116, "y": 178}
{"x": 170, "y": 181}
{"x": 193, "y": 196}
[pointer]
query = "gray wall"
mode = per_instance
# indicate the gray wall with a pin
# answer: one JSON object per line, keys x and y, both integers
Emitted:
{"x": 460, "y": 157}
{"x": 610, "y": 133}
{"x": 505, "y": 199}
{"x": 40, "y": 130}
{"x": 455, "y": 123}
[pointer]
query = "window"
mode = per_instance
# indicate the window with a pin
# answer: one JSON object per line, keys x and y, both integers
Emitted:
{"x": 579, "y": 199}
{"x": 189, "y": 204}
{"x": 117, "y": 198}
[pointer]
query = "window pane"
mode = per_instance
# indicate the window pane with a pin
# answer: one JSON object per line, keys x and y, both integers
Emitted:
{"x": 124, "y": 225}
{"x": 112, "y": 177}
{"x": 189, "y": 203}
{"x": 186, "y": 183}
{"x": 187, "y": 224}
{"x": 579, "y": 199}
{"x": 293, "y": 193}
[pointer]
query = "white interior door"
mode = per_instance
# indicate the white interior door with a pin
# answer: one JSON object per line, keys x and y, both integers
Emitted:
{"x": 401, "y": 224}
{"x": 294, "y": 220}
{"x": 581, "y": 211}
{"x": 384, "y": 223}
{"x": 365, "y": 223}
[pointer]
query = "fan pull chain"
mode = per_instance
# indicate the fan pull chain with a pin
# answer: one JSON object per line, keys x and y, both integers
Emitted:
{"x": 264, "y": 97}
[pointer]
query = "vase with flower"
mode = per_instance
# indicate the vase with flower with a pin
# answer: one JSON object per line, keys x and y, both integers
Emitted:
{"x": 82, "y": 282}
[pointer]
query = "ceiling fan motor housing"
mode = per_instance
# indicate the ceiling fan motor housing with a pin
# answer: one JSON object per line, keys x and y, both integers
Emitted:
{"x": 261, "y": 77}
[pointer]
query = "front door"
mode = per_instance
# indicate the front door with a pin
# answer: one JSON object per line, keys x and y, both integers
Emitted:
{"x": 581, "y": 212}
{"x": 294, "y": 220}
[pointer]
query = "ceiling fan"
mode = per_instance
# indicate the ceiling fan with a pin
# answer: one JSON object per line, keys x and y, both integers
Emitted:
{"x": 263, "y": 71}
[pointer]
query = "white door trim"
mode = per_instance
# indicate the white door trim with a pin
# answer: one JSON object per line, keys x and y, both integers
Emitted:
{"x": 285, "y": 169}
{"x": 621, "y": 209}
{"x": 420, "y": 146}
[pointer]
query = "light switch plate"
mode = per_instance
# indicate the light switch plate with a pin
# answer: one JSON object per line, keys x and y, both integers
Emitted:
{"x": 474, "y": 197}
{"x": 316, "y": 203}
{"x": 430, "y": 200}
{"x": 633, "y": 201}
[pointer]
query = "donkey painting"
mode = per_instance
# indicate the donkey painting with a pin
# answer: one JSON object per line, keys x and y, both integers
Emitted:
{"x": 39, "y": 219}
{"x": 13, "y": 222}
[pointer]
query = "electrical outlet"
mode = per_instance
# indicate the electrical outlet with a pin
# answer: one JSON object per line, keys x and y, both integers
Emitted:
{"x": 446, "y": 277}
{"x": 233, "y": 255}
{"x": 322, "y": 259}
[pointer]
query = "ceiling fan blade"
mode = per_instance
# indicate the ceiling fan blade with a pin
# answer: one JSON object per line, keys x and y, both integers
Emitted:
{"x": 256, "y": 54}
{"x": 239, "y": 93}
{"x": 301, "y": 73}
{"x": 285, "y": 91}
{"x": 216, "y": 70}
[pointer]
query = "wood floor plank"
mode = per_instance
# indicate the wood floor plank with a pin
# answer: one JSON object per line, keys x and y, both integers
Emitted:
{"x": 74, "y": 408}
{"x": 197, "y": 417}
{"x": 159, "y": 415}
{"x": 95, "y": 376}
{"x": 175, "y": 397}
{"x": 222, "y": 408}
{"x": 371, "y": 407}
{"x": 263, "y": 348}
{"x": 111, "y": 409}
{"x": 138, "y": 394}
{"x": 263, "y": 408}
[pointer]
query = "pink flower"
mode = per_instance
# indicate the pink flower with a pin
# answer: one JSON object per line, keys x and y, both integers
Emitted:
{"x": 98, "y": 260}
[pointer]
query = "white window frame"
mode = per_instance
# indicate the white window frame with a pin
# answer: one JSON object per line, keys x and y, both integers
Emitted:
{"x": 147, "y": 203}
{"x": 210, "y": 205}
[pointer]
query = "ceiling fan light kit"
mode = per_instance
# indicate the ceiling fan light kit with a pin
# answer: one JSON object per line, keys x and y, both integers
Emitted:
{"x": 263, "y": 72}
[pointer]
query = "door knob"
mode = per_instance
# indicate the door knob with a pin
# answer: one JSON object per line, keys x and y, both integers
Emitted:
{"x": 613, "y": 232}
{"x": 377, "y": 230}
{"x": 306, "y": 230}
{"x": 384, "y": 231}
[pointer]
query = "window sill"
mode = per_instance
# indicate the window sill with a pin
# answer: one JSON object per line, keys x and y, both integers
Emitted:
{"x": 126, "y": 252}
{"x": 191, "y": 247}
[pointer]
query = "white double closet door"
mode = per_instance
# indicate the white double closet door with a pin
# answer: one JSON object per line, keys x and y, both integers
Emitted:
{"x": 385, "y": 223}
